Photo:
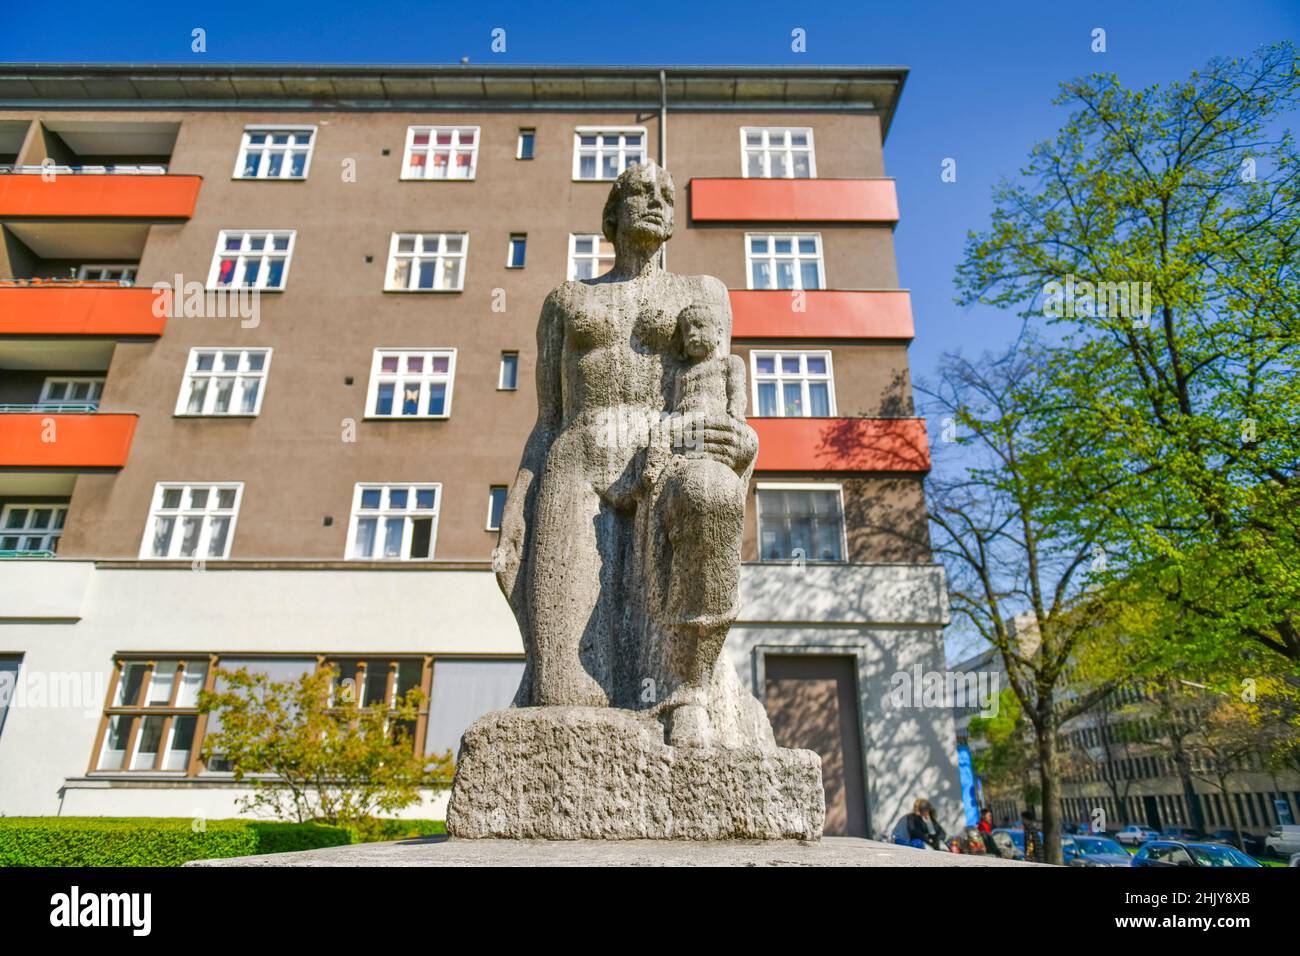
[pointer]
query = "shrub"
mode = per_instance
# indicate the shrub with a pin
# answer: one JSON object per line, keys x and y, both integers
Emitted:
{"x": 147, "y": 841}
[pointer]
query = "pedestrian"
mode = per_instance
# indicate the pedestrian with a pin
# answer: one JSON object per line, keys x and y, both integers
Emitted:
{"x": 922, "y": 828}
{"x": 985, "y": 827}
{"x": 1032, "y": 846}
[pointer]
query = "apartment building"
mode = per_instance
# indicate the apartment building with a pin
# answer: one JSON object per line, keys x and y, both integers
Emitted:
{"x": 266, "y": 344}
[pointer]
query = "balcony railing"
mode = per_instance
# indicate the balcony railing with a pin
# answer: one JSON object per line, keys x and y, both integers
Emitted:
{"x": 52, "y": 408}
{"x": 65, "y": 282}
{"x": 153, "y": 196}
{"x": 26, "y": 554}
{"x": 60, "y": 307}
{"x": 112, "y": 169}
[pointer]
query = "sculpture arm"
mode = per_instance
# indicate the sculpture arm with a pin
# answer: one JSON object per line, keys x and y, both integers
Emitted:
{"x": 517, "y": 516}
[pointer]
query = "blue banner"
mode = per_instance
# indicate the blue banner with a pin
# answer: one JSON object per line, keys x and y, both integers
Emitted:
{"x": 969, "y": 798}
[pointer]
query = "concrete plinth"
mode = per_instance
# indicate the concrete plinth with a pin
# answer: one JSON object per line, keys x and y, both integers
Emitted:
{"x": 573, "y": 773}
{"x": 443, "y": 851}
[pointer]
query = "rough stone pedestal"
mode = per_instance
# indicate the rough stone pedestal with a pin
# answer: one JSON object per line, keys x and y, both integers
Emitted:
{"x": 581, "y": 773}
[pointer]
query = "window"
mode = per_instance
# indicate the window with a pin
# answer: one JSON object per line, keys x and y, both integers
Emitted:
{"x": 496, "y": 506}
{"x": 777, "y": 152}
{"x": 509, "y": 378}
{"x": 411, "y": 383}
{"x": 527, "y": 137}
{"x": 793, "y": 384}
{"x": 590, "y": 256}
{"x": 800, "y": 521}
{"x": 151, "y": 722}
{"x": 516, "y": 251}
{"x": 32, "y": 527}
{"x": 784, "y": 261}
{"x": 373, "y": 682}
{"x": 251, "y": 259}
{"x": 189, "y": 521}
{"x": 9, "y": 668}
{"x": 122, "y": 275}
{"x": 427, "y": 262}
{"x": 281, "y": 152}
{"x": 441, "y": 152}
{"x": 152, "y": 716}
{"x": 394, "y": 522}
{"x": 83, "y": 392}
{"x": 601, "y": 153}
{"x": 223, "y": 382}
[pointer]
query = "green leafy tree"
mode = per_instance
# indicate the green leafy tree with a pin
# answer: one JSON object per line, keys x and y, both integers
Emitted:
{"x": 1159, "y": 234}
{"x": 311, "y": 754}
{"x": 1006, "y": 764}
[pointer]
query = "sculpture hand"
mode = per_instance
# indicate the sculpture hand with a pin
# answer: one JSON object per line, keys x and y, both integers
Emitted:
{"x": 508, "y": 554}
{"x": 725, "y": 439}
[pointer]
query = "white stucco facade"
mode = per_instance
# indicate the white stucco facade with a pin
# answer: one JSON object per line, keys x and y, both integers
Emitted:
{"x": 64, "y": 622}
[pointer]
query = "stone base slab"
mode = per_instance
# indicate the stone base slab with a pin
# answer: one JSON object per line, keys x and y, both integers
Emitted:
{"x": 582, "y": 773}
{"x": 441, "y": 851}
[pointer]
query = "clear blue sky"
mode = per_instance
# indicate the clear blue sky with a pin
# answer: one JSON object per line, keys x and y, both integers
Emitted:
{"x": 982, "y": 75}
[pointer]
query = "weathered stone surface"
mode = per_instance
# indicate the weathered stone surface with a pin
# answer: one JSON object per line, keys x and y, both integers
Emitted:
{"x": 571, "y": 773}
{"x": 441, "y": 851}
{"x": 619, "y": 553}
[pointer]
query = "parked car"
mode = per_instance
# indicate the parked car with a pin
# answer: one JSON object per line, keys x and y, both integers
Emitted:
{"x": 1182, "y": 834}
{"x": 1295, "y": 859}
{"x": 1283, "y": 840}
{"x": 1164, "y": 853}
{"x": 1095, "y": 851}
{"x": 1253, "y": 844}
{"x": 1135, "y": 835}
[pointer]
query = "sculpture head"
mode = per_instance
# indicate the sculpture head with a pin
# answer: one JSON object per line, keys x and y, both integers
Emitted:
{"x": 699, "y": 329}
{"x": 640, "y": 206}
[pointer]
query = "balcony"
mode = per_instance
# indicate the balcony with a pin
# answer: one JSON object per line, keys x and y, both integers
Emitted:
{"x": 86, "y": 195}
{"x": 41, "y": 437}
{"x": 842, "y": 444}
{"x": 876, "y": 314}
{"x": 794, "y": 200}
{"x": 57, "y": 308}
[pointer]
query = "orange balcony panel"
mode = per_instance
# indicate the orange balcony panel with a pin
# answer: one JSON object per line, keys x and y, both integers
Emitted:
{"x": 827, "y": 314}
{"x": 89, "y": 196}
{"x": 794, "y": 200}
{"x": 37, "y": 440}
{"x": 103, "y": 311}
{"x": 842, "y": 444}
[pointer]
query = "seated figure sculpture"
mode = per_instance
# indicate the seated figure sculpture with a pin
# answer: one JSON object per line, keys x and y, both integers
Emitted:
{"x": 620, "y": 555}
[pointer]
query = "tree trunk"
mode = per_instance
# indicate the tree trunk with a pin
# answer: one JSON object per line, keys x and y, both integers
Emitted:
{"x": 1049, "y": 780}
{"x": 1185, "y": 778}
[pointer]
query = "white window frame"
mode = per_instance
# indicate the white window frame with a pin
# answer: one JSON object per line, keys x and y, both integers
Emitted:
{"x": 384, "y": 511}
{"x": 418, "y": 254}
{"x": 96, "y": 393}
{"x": 519, "y": 142}
{"x": 49, "y": 536}
{"x": 96, "y": 273}
{"x": 242, "y": 255}
{"x": 205, "y": 532}
{"x": 781, "y": 379}
{"x": 501, "y": 373}
{"x": 245, "y": 146}
{"x": 489, "y": 526}
{"x": 596, "y": 257}
{"x": 241, "y": 375}
{"x": 426, "y": 378}
{"x": 510, "y": 248}
{"x": 454, "y": 149}
{"x": 767, "y": 149}
{"x": 796, "y": 256}
{"x": 800, "y": 486}
{"x": 620, "y": 149}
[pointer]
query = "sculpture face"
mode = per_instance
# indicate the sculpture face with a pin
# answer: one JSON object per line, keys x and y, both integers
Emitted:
{"x": 644, "y": 212}
{"x": 700, "y": 334}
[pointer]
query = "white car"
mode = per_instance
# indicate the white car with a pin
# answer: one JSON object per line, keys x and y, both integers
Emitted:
{"x": 1134, "y": 835}
{"x": 1283, "y": 840}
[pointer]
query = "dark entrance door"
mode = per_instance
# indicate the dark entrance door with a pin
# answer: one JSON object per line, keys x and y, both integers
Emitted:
{"x": 812, "y": 700}
{"x": 1153, "y": 812}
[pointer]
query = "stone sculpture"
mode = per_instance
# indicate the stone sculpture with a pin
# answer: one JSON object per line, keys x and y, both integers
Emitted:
{"x": 620, "y": 555}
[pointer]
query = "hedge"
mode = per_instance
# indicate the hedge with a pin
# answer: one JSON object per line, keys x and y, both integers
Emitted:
{"x": 149, "y": 841}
